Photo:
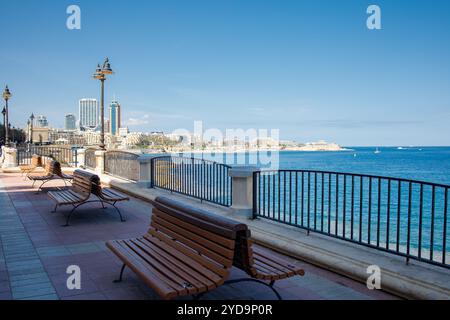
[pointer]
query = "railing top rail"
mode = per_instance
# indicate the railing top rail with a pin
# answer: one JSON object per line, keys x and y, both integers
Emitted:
{"x": 43, "y": 147}
{"x": 193, "y": 158}
{"x": 358, "y": 175}
{"x": 123, "y": 152}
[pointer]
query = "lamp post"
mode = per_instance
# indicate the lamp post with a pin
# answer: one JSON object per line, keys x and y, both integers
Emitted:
{"x": 31, "y": 128}
{"x": 28, "y": 135}
{"x": 6, "y": 96}
{"x": 4, "y": 124}
{"x": 100, "y": 74}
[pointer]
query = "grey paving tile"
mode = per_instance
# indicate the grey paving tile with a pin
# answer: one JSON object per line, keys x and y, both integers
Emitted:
{"x": 20, "y": 294}
{"x": 30, "y": 281}
{"x": 53, "y": 251}
{"x": 43, "y": 297}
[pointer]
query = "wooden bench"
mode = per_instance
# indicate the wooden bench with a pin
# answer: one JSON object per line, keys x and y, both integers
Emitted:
{"x": 36, "y": 162}
{"x": 258, "y": 262}
{"x": 84, "y": 185}
{"x": 183, "y": 253}
{"x": 52, "y": 172}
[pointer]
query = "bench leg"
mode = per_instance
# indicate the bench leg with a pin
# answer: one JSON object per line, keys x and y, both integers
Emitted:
{"x": 121, "y": 274}
{"x": 56, "y": 207}
{"x": 40, "y": 187}
{"x": 270, "y": 285}
{"x": 71, "y": 211}
{"x": 117, "y": 209}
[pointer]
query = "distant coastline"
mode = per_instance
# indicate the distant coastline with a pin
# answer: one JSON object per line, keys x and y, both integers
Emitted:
{"x": 308, "y": 147}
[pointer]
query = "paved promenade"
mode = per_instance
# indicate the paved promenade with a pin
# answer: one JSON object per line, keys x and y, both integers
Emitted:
{"x": 35, "y": 251}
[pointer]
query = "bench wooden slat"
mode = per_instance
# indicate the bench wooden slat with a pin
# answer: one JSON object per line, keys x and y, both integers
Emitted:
{"x": 211, "y": 264}
{"x": 260, "y": 252}
{"x": 41, "y": 177}
{"x": 192, "y": 275}
{"x": 168, "y": 262}
{"x": 174, "y": 258}
{"x": 113, "y": 195}
{"x": 192, "y": 244}
{"x": 139, "y": 267}
{"x": 274, "y": 267}
{"x": 223, "y": 241}
{"x": 205, "y": 220}
{"x": 266, "y": 270}
{"x": 183, "y": 286}
{"x": 184, "y": 229}
{"x": 211, "y": 270}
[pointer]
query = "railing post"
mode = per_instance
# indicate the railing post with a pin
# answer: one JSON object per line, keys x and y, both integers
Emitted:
{"x": 81, "y": 157}
{"x": 152, "y": 172}
{"x": 74, "y": 157}
{"x": 145, "y": 176}
{"x": 244, "y": 190}
{"x": 9, "y": 157}
{"x": 100, "y": 161}
{"x": 255, "y": 194}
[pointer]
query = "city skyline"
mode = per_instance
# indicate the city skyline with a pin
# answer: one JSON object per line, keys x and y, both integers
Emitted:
{"x": 316, "y": 62}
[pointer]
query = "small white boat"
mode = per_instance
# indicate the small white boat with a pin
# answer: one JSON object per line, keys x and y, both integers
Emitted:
{"x": 377, "y": 151}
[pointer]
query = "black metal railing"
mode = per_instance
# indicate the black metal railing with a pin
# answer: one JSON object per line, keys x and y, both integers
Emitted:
{"x": 122, "y": 164}
{"x": 89, "y": 158}
{"x": 399, "y": 216}
{"x": 202, "y": 179}
{"x": 66, "y": 156}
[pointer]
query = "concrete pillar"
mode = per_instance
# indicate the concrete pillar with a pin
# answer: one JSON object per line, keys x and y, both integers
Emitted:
{"x": 99, "y": 161}
{"x": 242, "y": 184}
{"x": 145, "y": 179}
{"x": 81, "y": 157}
{"x": 9, "y": 156}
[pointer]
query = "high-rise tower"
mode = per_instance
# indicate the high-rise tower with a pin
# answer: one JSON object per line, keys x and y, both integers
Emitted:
{"x": 114, "y": 118}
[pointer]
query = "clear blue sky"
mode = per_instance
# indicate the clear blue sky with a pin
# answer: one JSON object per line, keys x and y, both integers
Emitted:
{"x": 310, "y": 68}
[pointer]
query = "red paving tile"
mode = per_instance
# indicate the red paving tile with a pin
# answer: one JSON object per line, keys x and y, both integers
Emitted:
{"x": 82, "y": 244}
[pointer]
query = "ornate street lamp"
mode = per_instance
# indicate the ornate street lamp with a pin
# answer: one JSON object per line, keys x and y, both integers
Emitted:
{"x": 6, "y": 95}
{"x": 4, "y": 123}
{"x": 31, "y": 128}
{"x": 100, "y": 74}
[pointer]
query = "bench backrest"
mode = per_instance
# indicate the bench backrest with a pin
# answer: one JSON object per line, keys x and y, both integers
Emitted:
{"x": 52, "y": 167}
{"x": 36, "y": 161}
{"x": 84, "y": 181}
{"x": 196, "y": 232}
{"x": 243, "y": 253}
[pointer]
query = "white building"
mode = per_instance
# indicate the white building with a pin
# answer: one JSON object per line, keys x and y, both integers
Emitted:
{"x": 88, "y": 113}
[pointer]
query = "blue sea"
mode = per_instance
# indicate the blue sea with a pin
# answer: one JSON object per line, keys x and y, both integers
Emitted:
{"x": 431, "y": 164}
